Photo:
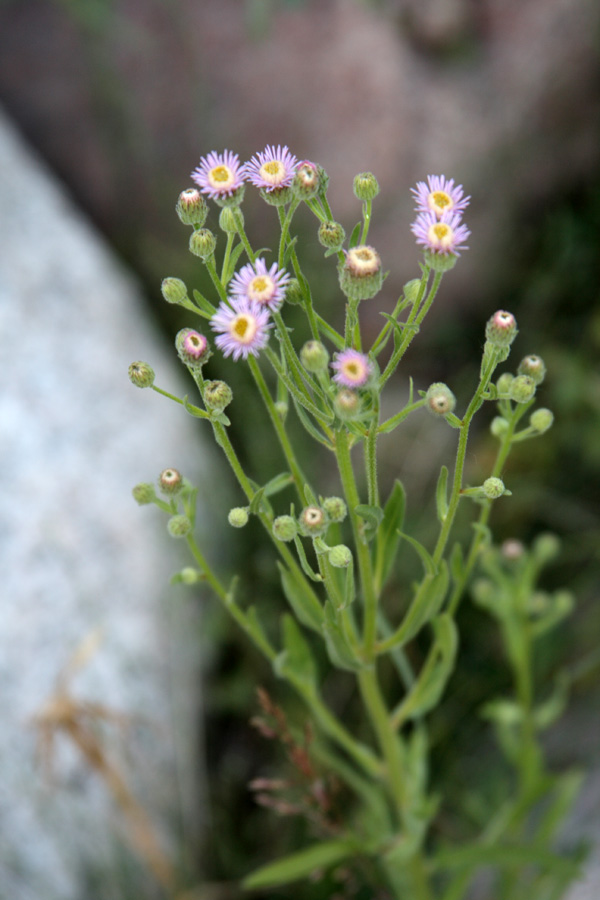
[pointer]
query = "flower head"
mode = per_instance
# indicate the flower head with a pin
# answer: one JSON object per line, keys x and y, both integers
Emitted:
{"x": 219, "y": 175}
{"x": 263, "y": 286}
{"x": 273, "y": 168}
{"x": 360, "y": 274}
{"x": 440, "y": 195}
{"x": 244, "y": 330}
{"x": 441, "y": 235}
{"x": 352, "y": 369}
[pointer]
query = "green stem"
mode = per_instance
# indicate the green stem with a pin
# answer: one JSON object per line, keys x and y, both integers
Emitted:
{"x": 239, "y": 221}
{"x": 371, "y": 455}
{"x": 413, "y": 323}
{"x": 367, "y": 206}
{"x": 212, "y": 271}
{"x": 226, "y": 256}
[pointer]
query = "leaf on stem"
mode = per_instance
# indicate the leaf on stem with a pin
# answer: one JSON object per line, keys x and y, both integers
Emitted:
{"x": 441, "y": 495}
{"x": 300, "y": 865}
{"x": 302, "y": 600}
{"x": 340, "y": 653}
{"x": 388, "y": 534}
{"x": 204, "y": 304}
{"x": 295, "y": 662}
{"x": 435, "y": 673}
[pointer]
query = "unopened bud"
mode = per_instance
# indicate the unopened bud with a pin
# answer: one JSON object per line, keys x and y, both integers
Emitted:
{"x": 312, "y": 521}
{"x": 141, "y": 374}
{"x": 307, "y": 180}
{"x": 314, "y": 356}
{"x": 504, "y": 382}
{"x": 499, "y": 426}
{"x": 229, "y": 220}
{"x": 238, "y": 516}
{"x": 189, "y": 575}
{"x": 192, "y": 347}
{"x": 170, "y": 481}
{"x": 335, "y": 509}
{"x": 191, "y": 207}
{"x": 179, "y": 526}
{"x": 293, "y": 291}
{"x": 202, "y": 243}
{"x": 277, "y": 196}
{"x": 285, "y": 528}
{"x": 144, "y": 493}
{"x": 411, "y": 289}
{"x": 361, "y": 275}
{"x": 534, "y": 366}
{"x": 493, "y": 488}
{"x": 347, "y": 404}
{"x": 365, "y": 186}
{"x": 174, "y": 290}
{"x": 512, "y": 549}
{"x": 331, "y": 235}
{"x": 546, "y": 547}
{"x": 217, "y": 395}
{"x": 501, "y": 329}
{"x": 522, "y": 389}
{"x": 440, "y": 399}
{"x": 340, "y": 556}
{"x": 541, "y": 419}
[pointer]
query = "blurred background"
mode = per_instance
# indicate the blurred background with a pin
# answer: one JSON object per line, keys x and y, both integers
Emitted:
{"x": 122, "y": 97}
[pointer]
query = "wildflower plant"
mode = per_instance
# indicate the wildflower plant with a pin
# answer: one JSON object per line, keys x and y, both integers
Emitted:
{"x": 336, "y": 545}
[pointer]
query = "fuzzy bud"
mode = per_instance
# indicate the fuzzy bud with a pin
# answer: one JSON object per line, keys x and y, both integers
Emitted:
{"x": 541, "y": 419}
{"x": 504, "y": 382}
{"x": 335, "y": 509}
{"x": 501, "y": 329}
{"x": 512, "y": 549}
{"x": 179, "y": 526}
{"x": 293, "y": 292}
{"x": 192, "y": 208}
{"x": 522, "y": 389}
{"x": 238, "y": 516}
{"x": 285, "y": 528}
{"x": 340, "y": 556}
{"x": 440, "y": 262}
{"x": 174, "y": 290}
{"x": 144, "y": 493}
{"x": 493, "y": 488}
{"x": 217, "y": 395}
{"x": 228, "y": 220}
{"x": 534, "y": 366}
{"x": 347, "y": 404}
{"x": 203, "y": 243}
{"x": 365, "y": 186}
{"x": 141, "y": 374}
{"x": 546, "y": 547}
{"x": 411, "y": 289}
{"x": 440, "y": 399}
{"x": 499, "y": 426}
{"x": 314, "y": 356}
{"x": 312, "y": 521}
{"x": 331, "y": 235}
{"x": 189, "y": 575}
{"x": 192, "y": 347}
{"x": 170, "y": 481}
{"x": 361, "y": 275}
{"x": 307, "y": 180}
{"x": 277, "y": 196}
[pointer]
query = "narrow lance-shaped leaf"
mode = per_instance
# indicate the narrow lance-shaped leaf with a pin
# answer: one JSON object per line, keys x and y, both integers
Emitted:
{"x": 441, "y": 495}
{"x": 299, "y": 865}
{"x": 295, "y": 662}
{"x": 435, "y": 673}
{"x": 388, "y": 535}
{"x": 305, "y": 605}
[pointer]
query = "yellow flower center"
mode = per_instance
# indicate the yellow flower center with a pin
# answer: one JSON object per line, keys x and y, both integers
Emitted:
{"x": 273, "y": 172}
{"x": 441, "y": 235}
{"x": 221, "y": 177}
{"x": 261, "y": 288}
{"x": 440, "y": 202}
{"x": 243, "y": 328}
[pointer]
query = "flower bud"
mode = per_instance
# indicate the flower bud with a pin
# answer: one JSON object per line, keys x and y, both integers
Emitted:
{"x": 493, "y": 488}
{"x": 331, "y": 235}
{"x": 314, "y": 356}
{"x": 189, "y": 575}
{"x": 347, "y": 404}
{"x": 238, "y": 516}
{"x": 282, "y": 409}
{"x": 534, "y": 366}
{"x": 504, "y": 382}
{"x": 293, "y": 291}
{"x": 144, "y": 493}
{"x": 174, "y": 290}
{"x": 499, "y": 426}
{"x": 312, "y": 521}
{"x": 179, "y": 526}
{"x": 191, "y": 207}
{"x": 307, "y": 180}
{"x": 360, "y": 274}
{"x": 522, "y": 389}
{"x": 277, "y": 196}
{"x": 170, "y": 481}
{"x": 440, "y": 399}
{"x": 192, "y": 347}
{"x": 411, "y": 289}
{"x": 202, "y": 243}
{"x": 546, "y": 547}
{"x": 228, "y": 220}
{"x": 335, "y": 509}
{"x": 365, "y": 186}
{"x": 541, "y": 419}
{"x": 512, "y": 549}
{"x": 440, "y": 262}
{"x": 285, "y": 528}
{"x": 501, "y": 329}
{"x": 340, "y": 556}
{"x": 141, "y": 374}
{"x": 217, "y": 395}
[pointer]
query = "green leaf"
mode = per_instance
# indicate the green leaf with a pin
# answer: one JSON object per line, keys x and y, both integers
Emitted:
{"x": 304, "y": 603}
{"x": 288, "y": 251}
{"x": 340, "y": 653}
{"x": 235, "y": 255}
{"x": 388, "y": 535}
{"x": 204, "y": 304}
{"x": 441, "y": 495}
{"x": 308, "y": 425}
{"x": 506, "y": 857}
{"x": 371, "y": 516}
{"x": 457, "y": 564}
{"x": 426, "y": 604}
{"x": 306, "y": 567}
{"x": 551, "y": 709}
{"x": 278, "y": 483}
{"x": 426, "y": 558}
{"x": 300, "y": 865}
{"x": 295, "y": 662}
{"x": 194, "y": 410}
{"x": 354, "y": 236}
{"x": 435, "y": 673}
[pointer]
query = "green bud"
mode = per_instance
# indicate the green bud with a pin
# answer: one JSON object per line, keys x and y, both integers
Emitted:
{"x": 522, "y": 389}
{"x": 365, "y": 186}
{"x": 293, "y": 292}
{"x": 144, "y": 493}
{"x": 312, "y": 521}
{"x": 141, "y": 374}
{"x": 493, "y": 488}
{"x": 307, "y": 180}
{"x": 347, "y": 404}
{"x": 278, "y": 196}
{"x": 217, "y": 395}
{"x": 174, "y": 290}
{"x": 499, "y": 426}
{"x": 335, "y": 509}
{"x": 340, "y": 556}
{"x": 512, "y": 549}
{"x": 189, "y": 575}
{"x": 191, "y": 207}
{"x": 440, "y": 399}
{"x": 170, "y": 481}
{"x": 331, "y": 235}
{"x": 360, "y": 274}
{"x": 504, "y": 382}
{"x": 228, "y": 220}
{"x": 285, "y": 528}
{"x": 411, "y": 289}
{"x": 202, "y": 243}
{"x": 534, "y": 366}
{"x": 501, "y": 329}
{"x": 541, "y": 419}
{"x": 483, "y": 591}
{"x": 314, "y": 356}
{"x": 546, "y": 547}
{"x": 440, "y": 262}
{"x": 238, "y": 516}
{"x": 179, "y": 526}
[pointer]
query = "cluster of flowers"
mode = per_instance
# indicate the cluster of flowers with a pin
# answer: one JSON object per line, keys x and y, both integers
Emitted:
{"x": 440, "y": 205}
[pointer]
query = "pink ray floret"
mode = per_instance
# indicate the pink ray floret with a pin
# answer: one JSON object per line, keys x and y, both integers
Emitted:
{"x": 352, "y": 369}
{"x": 440, "y": 196}
{"x": 441, "y": 235}
{"x": 273, "y": 168}
{"x": 219, "y": 174}
{"x": 259, "y": 284}
{"x": 241, "y": 330}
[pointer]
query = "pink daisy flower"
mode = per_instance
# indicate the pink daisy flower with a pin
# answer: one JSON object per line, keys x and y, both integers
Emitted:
{"x": 243, "y": 330}
{"x": 273, "y": 168}
{"x": 260, "y": 285}
{"x": 352, "y": 369}
{"x": 219, "y": 174}
{"x": 444, "y": 235}
{"x": 440, "y": 195}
